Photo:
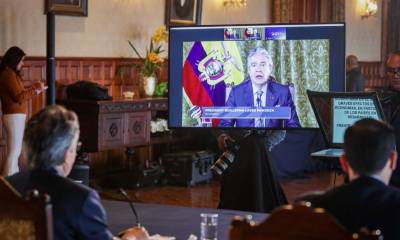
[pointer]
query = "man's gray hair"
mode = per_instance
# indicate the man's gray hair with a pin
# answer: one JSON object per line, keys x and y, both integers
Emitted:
{"x": 47, "y": 136}
{"x": 262, "y": 51}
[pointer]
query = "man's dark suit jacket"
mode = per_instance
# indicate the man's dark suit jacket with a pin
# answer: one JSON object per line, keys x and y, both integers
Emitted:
{"x": 364, "y": 202}
{"x": 355, "y": 81}
{"x": 277, "y": 95}
{"x": 77, "y": 211}
{"x": 390, "y": 101}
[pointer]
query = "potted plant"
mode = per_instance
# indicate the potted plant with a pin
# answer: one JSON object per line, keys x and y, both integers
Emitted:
{"x": 152, "y": 62}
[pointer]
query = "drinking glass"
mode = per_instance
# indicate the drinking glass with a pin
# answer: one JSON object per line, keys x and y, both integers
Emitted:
{"x": 208, "y": 226}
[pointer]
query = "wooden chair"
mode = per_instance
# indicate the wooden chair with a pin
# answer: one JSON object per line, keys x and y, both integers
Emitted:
{"x": 296, "y": 222}
{"x": 21, "y": 218}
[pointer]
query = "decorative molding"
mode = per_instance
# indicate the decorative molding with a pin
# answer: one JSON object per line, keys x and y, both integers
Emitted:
{"x": 123, "y": 107}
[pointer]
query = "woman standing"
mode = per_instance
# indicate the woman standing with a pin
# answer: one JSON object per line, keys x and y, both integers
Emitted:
{"x": 14, "y": 102}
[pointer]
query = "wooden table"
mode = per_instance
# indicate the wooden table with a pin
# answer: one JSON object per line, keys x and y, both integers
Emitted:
{"x": 169, "y": 220}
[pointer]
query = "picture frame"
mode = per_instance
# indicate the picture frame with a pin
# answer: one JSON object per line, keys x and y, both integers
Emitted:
{"x": 67, "y": 7}
{"x": 183, "y": 12}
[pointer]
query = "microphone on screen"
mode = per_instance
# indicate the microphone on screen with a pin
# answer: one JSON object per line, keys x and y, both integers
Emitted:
{"x": 137, "y": 232}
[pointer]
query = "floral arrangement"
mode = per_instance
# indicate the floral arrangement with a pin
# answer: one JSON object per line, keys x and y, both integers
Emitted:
{"x": 158, "y": 125}
{"x": 161, "y": 89}
{"x": 153, "y": 60}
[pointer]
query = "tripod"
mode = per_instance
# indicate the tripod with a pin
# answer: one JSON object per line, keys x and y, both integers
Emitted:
{"x": 250, "y": 183}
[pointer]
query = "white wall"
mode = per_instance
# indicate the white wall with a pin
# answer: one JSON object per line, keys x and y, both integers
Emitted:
{"x": 103, "y": 33}
{"x": 256, "y": 11}
{"x": 110, "y": 23}
{"x": 363, "y": 36}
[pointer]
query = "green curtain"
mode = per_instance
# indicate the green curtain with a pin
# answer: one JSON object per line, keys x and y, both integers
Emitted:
{"x": 303, "y": 63}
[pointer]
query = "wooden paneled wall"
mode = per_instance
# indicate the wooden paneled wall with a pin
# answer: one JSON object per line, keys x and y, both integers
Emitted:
{"x": 72, "y": 69}
{"x": 373, "y": 73}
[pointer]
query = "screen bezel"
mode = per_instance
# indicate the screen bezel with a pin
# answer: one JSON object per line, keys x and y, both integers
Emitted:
{"x": 339, "y": 24}
{"x": 331, "y": 95}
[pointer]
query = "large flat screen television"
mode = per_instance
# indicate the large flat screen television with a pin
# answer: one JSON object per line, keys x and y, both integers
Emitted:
{"x": 252, "y": 76}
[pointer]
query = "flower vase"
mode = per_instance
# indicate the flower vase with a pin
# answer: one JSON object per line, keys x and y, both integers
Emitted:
{"x": 148, "y": 85}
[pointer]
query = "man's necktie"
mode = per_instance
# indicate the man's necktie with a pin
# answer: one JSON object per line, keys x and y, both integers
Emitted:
{"x": 259, "y": 94}
{"x": 259, "y": 121}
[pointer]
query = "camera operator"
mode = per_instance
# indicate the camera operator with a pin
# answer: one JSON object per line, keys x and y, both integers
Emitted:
{"x": 249, "y": 182}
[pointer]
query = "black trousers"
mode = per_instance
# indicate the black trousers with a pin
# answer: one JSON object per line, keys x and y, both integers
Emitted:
{"x": 250, "y": 182}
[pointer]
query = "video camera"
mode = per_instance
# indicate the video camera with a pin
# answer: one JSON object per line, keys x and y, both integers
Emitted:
{"x": 226, "y": 158}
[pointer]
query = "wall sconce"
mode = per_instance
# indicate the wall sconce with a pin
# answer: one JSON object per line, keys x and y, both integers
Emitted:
{"x": 235, "y": 3}
{"x": 368, "y": 8}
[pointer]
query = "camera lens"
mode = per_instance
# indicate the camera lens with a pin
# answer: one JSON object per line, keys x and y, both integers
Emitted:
{"x": 217, "y": 169}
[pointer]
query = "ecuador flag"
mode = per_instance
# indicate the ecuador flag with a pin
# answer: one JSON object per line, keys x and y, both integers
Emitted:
{"x": 207, "y": 71}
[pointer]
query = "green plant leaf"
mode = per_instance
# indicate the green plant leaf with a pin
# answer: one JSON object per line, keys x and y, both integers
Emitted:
{"x": 161, "y": 89}
{"x": 134, "y": 49}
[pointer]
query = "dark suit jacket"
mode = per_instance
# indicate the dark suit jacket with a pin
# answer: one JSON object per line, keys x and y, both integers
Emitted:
{"x": 250, "y": 182}
{"x": 277, "y": 94}
{"x": 364, "y": 202}
{"x": 390, "y": 101}
{"x": 355, "y": 81}
{"x": 77, "y": 211}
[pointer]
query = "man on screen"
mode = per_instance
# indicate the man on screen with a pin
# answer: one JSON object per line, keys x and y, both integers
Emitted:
{"x": 261, "y": 90}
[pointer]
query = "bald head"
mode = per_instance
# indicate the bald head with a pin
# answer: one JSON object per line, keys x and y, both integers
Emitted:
{"x": 393, "y": 59}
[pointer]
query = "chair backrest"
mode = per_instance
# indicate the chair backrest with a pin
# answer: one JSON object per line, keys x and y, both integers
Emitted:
{"x": 21, "y": 218}
{"x": 296, "y": 222}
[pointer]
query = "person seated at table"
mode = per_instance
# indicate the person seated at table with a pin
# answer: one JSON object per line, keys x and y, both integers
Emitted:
{"x": 50, "y": 142}
{"x": 366, "y": 201}
{"x": 390, "y": 99}
{"x": 355, "y": 81}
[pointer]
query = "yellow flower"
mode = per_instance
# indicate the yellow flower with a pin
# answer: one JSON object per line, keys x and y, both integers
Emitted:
{"x": 160, "y": 35}
{"x": 154, "y": 58}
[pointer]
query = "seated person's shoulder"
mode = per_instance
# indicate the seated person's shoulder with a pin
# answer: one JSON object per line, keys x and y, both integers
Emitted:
{"x": 384, "y": 93}
{"x": 395, "y": 193}
{"x": 56, "y": 186}
{"x": 273, "y": 84}
{"x": 19, "y": 180}
{"x": 71, "y": 187}
{"x": 7, "y": 72}
{"x": 242, "y": 85}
